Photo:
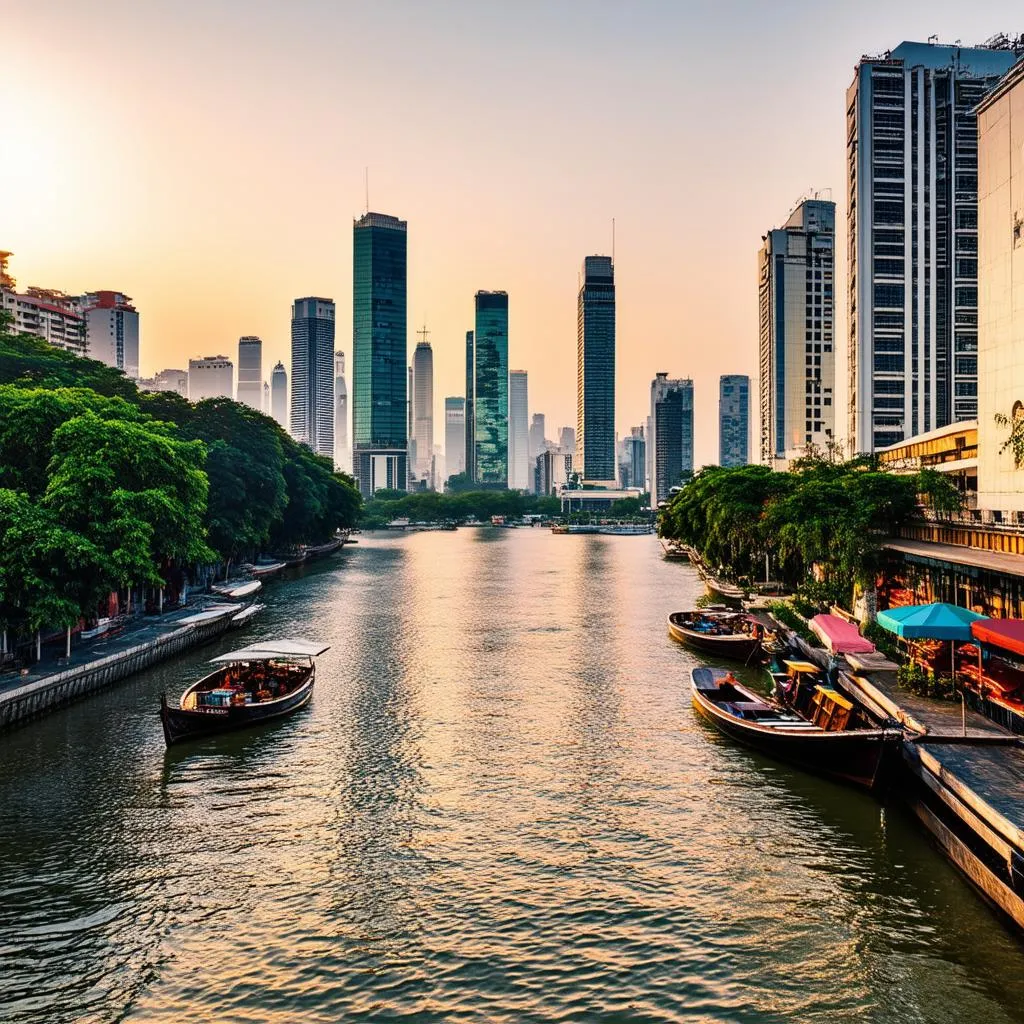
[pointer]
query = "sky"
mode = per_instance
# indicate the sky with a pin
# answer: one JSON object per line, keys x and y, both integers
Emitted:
{"x": 208, "y": 158}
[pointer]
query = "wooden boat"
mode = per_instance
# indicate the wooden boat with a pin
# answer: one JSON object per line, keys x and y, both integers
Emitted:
{"x": 264, "y": 570}
{"x": 674, "y": 551}
{"x": 237, "y": 590}
{"x": 864, "y": 757}
{"x": 723, "y": 634}
{"x": 253, "y": 685}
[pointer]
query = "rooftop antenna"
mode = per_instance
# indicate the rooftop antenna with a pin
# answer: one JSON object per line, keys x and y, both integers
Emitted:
{"x": 423, "y": 333}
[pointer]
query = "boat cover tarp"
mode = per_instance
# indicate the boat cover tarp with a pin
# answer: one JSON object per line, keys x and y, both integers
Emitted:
{"x": 929, "y": 621}
{"x": 1007, "y": 634}
{"x": 840, "y": 636}
{"x": 284, "y": 648}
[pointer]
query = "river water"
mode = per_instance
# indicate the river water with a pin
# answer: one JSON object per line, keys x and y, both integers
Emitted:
{"x": 498, "y": 807}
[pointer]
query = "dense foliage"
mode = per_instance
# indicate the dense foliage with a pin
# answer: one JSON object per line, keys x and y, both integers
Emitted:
{"x": 820, "y": 525}
{"x": 103, "y": 487}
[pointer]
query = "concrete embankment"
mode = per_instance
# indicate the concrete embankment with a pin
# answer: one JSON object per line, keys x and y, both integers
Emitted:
{"x": 24, "y": 697}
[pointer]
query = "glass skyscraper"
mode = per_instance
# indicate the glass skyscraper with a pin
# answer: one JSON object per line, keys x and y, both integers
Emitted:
{"x": 595, "y": 372}
{"x": 733, "y": 419}
{"x": 379, "y": 355}
{"x": 312, "y": 420}
{"x": 518, "y": 431}
{"x": 490, "y": 389}
{"x": 670, "y": 439}
{"x": 469, "y": 459}
{"x": 250, "y": 371}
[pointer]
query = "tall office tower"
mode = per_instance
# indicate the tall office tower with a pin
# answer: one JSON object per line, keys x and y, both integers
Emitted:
{"x": 650, "y": 457}
{"x": 312, "y": 420}
{"x": 279, "y": 394}
{"x": 636, "y": 457}
{"x": 672, "y": 434}
{"x": 538, "y": 442}
{"x": 455, "y": 435}
{"x": 470, "y": 455}
{"x": 518, "y": 432}
{"x": 733, "y": 419}
{"x": 211, "y": 377}
{"x": 490, "y": 389}
{"x": 595, "y": 371}
{"x": 411, "y": 443}
{"x": 342, "y": 456}
{"x": 423, "y": 407}
{"x": 111, "y": 330}
{"x": 796, "y": 382}
{"x": 912, "y": 164}
{"x": 380, "y": 429}
{"x": 265, "y": 407}
{"x": 167, "y": 380}
{"x": 250, "y": 371}
{"x": 567, "y": 440}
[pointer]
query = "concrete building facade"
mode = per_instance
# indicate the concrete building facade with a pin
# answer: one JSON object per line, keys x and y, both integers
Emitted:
{"x": 671, "y": 435}
{"x": 518, "y": 432}
{"x": 250, "y": 371}
{"x": 211, "y": 377}
{"x": 733, "y": 419}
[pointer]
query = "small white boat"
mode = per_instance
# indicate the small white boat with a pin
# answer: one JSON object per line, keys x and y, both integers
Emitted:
{"x": 236, "y": 591}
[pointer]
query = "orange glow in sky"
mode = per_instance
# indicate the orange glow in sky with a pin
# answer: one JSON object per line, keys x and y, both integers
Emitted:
{"x": 208, "y": 159}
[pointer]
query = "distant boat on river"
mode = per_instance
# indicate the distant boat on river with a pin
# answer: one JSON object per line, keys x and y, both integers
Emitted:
{"x": 253, "y": 685}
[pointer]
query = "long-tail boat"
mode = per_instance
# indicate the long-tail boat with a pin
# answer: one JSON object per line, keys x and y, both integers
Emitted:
{"x": 723, "y": 634}
{"x": 830, "y": 735}
{"x": 256, "y": 684}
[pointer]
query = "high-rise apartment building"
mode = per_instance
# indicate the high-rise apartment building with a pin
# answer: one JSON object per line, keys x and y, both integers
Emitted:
{"x": 111, "y": 325}
{"x": 912, "y": 232}
{"x": 342, "y": 455}
{"x": 211, "y": 377}
{"x": 733, "y": 419}
{"x": 671, "y": 435}
{"x": 279, "y": 394}
{"x": 250, "y": 371}
{"x": 490, "y": 390}
{"x": 312, "y": 405}
{"x": 380, "y": 431}
{"x": 455, "y": 435}
{"x": 1000, "y": 278}
{"x": 796, "y": 308}
{"x": 518, "y": 432}
{"x": 595, "y": 372}
{"x": 423, "y": 410}
{"x": 45, "y": 312}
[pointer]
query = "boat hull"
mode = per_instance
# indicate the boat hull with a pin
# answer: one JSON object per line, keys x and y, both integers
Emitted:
{"x": 180, "y": 725}
{"x": 864, "y": 758}
{"x": 744, "y": 649}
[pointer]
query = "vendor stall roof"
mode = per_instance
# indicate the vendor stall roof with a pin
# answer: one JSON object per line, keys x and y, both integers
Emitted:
{"x": 1005, "y": 633}
{"x": 929, "y": 621}
{"x": 840, "y": 636}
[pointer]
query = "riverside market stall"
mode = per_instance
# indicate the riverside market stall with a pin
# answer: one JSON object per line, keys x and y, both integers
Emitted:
{"x": 840, "y": 636}
{"x": 998, "y": 677}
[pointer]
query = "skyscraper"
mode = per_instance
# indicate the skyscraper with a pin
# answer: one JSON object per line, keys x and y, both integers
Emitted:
{"x": 250, "y": 371}
{"x": 518, "y": 432}
{"x": 796, "y": 382}
{"x": 912, "y": 163}
{"x": 423, "y": 409}
{"x": 733, "y": 419}
{"x": 111, "y": 330}
{"x": 312, "y": 421}
{"x": 211, "y": 377}
{"x": 595, "y": 371}
{"x": 342, "y": 456}
{"x": 636, "y": 458}
{"x": 455, "y": 435}
{"x": 279, "y": 394}
{"x": 490, "y": 389}
{"x": 567, "y": 441}
{"x": 671, "y": 437}
{"x": 379, "y": 353}
{"x": 470, "y": 456}
{"x": 538, "y": 442}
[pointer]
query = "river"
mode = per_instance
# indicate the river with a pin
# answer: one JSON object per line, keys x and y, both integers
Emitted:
{"x": 498, "y": 807}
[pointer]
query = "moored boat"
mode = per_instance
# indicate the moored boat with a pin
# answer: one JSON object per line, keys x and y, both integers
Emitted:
{"x": 674, "y": 551}
{"x": 724, "y": 634}
{"x": 827, "y": 742}
{"x": 237, "y": 590}
{"x": 253, "y": 685}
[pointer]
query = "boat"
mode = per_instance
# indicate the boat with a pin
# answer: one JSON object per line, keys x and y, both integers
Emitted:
{"x": 264, "y": 570}
{"x": 625, "y": 529}
{"x": 236, "y": 591}
{"x": 241, "y": 618}
{"x": 831, "y": 741}
{"x": 256, "y": 684}
{"x": 323, "y": 550}
{"x": 674, "y": 551}
{"x": 723, "y": 634}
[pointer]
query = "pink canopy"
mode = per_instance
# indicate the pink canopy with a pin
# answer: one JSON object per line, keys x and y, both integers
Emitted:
{"x": 840, "y": 636}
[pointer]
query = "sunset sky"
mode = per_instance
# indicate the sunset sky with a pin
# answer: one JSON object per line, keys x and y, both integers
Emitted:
{"x": 208, "y": 159}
